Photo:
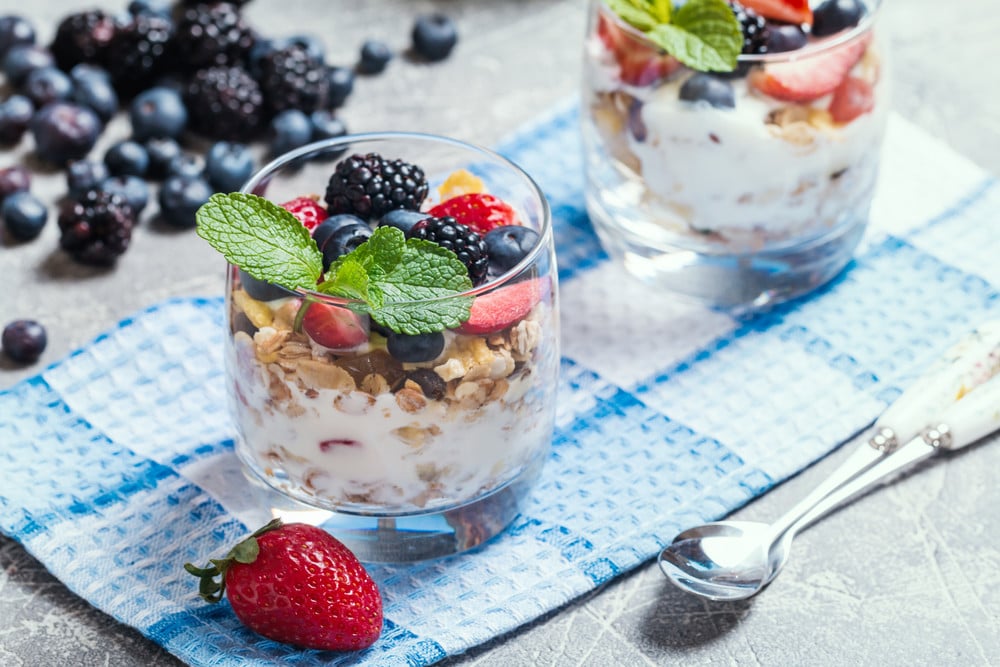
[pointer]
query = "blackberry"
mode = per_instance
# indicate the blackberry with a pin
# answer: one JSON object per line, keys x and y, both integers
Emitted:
{"x": 754, "y": 26}
{"x": 369, "y": 186}
{"x": 292, "y": 78}
{"x": 213, "y": 34}
{"x": 96, "y": 228}
{"x": 453, "y": 235}
{"x": 141, "y": 51}
{"x": 83, "y": 37}
{"x": 225, "y": 103}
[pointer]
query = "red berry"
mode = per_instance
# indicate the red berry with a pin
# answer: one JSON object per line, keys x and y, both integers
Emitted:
{"x": 852, "y": 98}
{"x": 334, "y": 327}
{"x": 497, "y": 310}
{"x": 810, "y": 78}
{"x": 478, "y": 211}
{"x": 297, "y": 584}
{"x": 787, "y": 11}
{"x": 308, "y": 211}
{"x": 640, "y": 63}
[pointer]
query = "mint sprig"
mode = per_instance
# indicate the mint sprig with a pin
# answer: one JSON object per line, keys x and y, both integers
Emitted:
{"x": 408, "y": 285}
{"x": 702, "y": 34}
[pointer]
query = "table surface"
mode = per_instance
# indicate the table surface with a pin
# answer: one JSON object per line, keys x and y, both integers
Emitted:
{"x": 908, "y": 576}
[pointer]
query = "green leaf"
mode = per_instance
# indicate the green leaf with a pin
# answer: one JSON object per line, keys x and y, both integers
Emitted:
{"x": 246, "y": 551}
{"x": 349, "y": 280}
{"x": 704, "y": 35}
{"x": 634, "y": 12}
{"x": 660, "y": 10}
{"x": 261, "y": 238}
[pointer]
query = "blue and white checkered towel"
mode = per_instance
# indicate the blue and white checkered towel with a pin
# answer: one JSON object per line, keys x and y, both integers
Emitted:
{"x": 117, "y": 463}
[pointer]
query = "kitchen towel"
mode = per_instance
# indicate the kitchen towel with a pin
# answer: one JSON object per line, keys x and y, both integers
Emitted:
{"x": 117, "y": 462}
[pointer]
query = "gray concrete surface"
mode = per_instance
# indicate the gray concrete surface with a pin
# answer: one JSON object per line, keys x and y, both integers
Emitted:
{"x": 908, "y": 576}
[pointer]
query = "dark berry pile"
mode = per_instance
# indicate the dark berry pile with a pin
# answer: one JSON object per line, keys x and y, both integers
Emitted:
{"x": 369, "y": 186}
{"x": 213, "y": 34}
{"x": 292, "y": 78}
{"x": 83, "y": 38}
{"x": 225, "y": 103}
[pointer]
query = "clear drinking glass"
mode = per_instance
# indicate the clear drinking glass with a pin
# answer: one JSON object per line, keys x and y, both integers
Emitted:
{"x": 736, "y": 206}
{"x": 411, "y": 460}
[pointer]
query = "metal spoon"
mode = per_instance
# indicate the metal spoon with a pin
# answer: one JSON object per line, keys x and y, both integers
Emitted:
{"x": 956, "y": 403}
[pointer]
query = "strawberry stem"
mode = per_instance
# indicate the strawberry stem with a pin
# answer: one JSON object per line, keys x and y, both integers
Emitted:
{"x": 246, "y": 552}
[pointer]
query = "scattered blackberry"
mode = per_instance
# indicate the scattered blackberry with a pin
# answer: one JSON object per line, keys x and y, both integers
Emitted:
{"x": 83, "y": 37}
{"x": 141, "y": 51}
{"x": 369, "y": 186}
{"x": 96, "y": 228}
{"x": 213, "y": 34}
{"x": 225, "y": 103}
{"x": 291, "y": 78}
{"x": 453, "y": 235}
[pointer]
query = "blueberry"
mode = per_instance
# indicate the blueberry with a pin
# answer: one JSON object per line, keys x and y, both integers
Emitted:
{"x": 832, "y": 16}
{"x": 15, "y": 31}
{"x": 375, "y": 55}
{"x": 15, "y": 115}
{"x": 132, "y": 189}
{"x": 402, "y": 219}
{"x": 434, "y": 36}
{"x": 161, "y": 153}
{"x": 228, "y": 166}
{"x": 290, "y": 129}
{"x": 325, "y": 229}
{"x": 414, "y": 349}
{"x": 326, "y": 126}
{"x": 22, "y": 60}
{"x": 343, "y": 241}
{"x": 47, "y": 84}
{"x": 158, "y": 112}
{"x": 311, "y": 43}
{"x": 84, "y": 175}
{"x": 341, "y": 85}
{"x": 186, "y": 165}
{"x": 782, "y": 38}
{"x": 86, "y": 71}
{"x": 23, "y": 215}
{"x": 95, "y": 92}
{"x": 64, "y": 132}
{"x": 127, "y": 158}
{"x": 24, "y": 341}
{"x": 13, "y": 179}
{"x": 260, "y": 290}
{"x": 711, "y": 89}
{"x": 261, "y": 49}
{"x": 149, "y": 8}
{"x": 506, "y": 246}
{"x": 181, "y": 197}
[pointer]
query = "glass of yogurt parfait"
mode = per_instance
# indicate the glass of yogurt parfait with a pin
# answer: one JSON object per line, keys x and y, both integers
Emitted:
{"x": 739, "y": 173}
{"x": 414, "y": 404}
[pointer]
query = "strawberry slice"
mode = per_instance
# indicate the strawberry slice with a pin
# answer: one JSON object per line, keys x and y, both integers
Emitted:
{"x": 640, "y": 63}
{"x": 503, "y": 307}
{"x": 789, "y": 11}
{"x": 481, "y": 212}
{"x": 810, "y": 78}
{"x": 333, "y": 327}
{"x": 308, "y": 211}
{"x": 853, "y": 98}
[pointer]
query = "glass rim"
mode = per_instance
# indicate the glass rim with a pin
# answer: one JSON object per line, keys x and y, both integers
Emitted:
{"x": 545, "y": 233}
{"x": 812, "y": 49}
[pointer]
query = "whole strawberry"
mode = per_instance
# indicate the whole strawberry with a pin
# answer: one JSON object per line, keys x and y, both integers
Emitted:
{"x": 297, "y": 584}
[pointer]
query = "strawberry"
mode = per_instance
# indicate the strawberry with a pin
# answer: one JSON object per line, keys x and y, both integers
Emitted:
{"x": 297, "y": 584}
{"x": 640, "y": 63}
{"x": 497, "y": 310}
{"x": 307, "y": 210}
{"x": 852, "y": 98}
{"x": 334, "y": 327}
{"x": 810, "y": 78}
{"x": 481, "y": 212}
{"x": 788, "y": 11}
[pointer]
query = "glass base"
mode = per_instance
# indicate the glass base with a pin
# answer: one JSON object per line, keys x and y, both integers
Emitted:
{"x": 734, "y": 282}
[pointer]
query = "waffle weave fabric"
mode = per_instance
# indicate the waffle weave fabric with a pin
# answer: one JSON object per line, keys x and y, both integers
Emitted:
{"x": 118, "y": 461}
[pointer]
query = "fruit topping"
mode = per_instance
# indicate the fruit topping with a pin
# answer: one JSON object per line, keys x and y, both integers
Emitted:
{"x": 260, "y": 290}
{"x": 478, "y": 211}
{"x": 24, "y": 341}
{"x": 810, "y": 78}
{"x": 415, "y": 349}
{"x": 401, "y": 219}
{"x": 782, "y": 38}
{"x": 503, "y": 307}
{"x": 434, "y": 36}
{"x": 509, "y": 245}
{"x": 833, "y": 16}
{"x": 23, "y": 215}
{"x": 786, "y": 11}
{"x": 639, "y": 63}
{"x": 369, "y": 186}
{"x": 322, "y": 233}
{"x": 754, "y": 28}
{"x": 701, "y": 87}
{"x": 851, "y": 99}
{"x": 460, "y": 182}
{"x": 225, "y": 103}
{"x": 96, "y": 228}
{"x": 297, "y": 584}
{"x": 293, "y": 78}
{"x": 334, "y": 327}
{"x": 460, "y": 239}
{"x": 344, "y": 240}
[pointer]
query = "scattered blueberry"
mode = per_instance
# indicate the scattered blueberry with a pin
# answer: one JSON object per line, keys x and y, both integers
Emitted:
{"x": 23, "y": 215}
{"x": 15, "y": 31}
{"x": 258, "y": 52}
{"x": 414, "y": 349}
{"x": 95, "y": 92}
{"x": 84, "y": 175}
{"x": 127, "y": 158}
{"x": 289, "y": 130}
{"x": 158, "y": 112}
{"x": 703, "y": 87}
{"x": 434, "y": 36}
{"x": 341, "y": 85}
{"x": 132, "y": 189}
{"x": 64, "y": 132}
{"x": 375, "y": 55}
{"x": 311, "y": 43}
{"x": 260, "y": 290}
{"x": 402, "y": 219}
{"x": 186, "y": 165}
{"x": 782, "y": 38}
{"x": 326, "y": 126}
{"x": 47, "y": 84}
{"x": 15, "y": 115}
{"x": 23, "y": 59}
{"x": 181, "y": 197}
{"x": 343, "y": 241}
{"x": 228, "y": 166}
{"x": 506, "y": 246}
{"x": 326, "y": 229}
{"x": 13, "y": 179}
{"x": 149, "y": 8}
{"x": 24, "y": 341}
{"x": 85, "y": 71}
{"x": 161, "y": 153}
{"x": 832, "y": 16}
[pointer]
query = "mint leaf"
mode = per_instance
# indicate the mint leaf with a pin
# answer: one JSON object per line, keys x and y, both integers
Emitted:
{"x": 261, "y": 238}
{"x": 660, "y": 10}
{"x": 349, "y": 279}
{"x": 634, "y": 12}
{"x": 703, "y": 34}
